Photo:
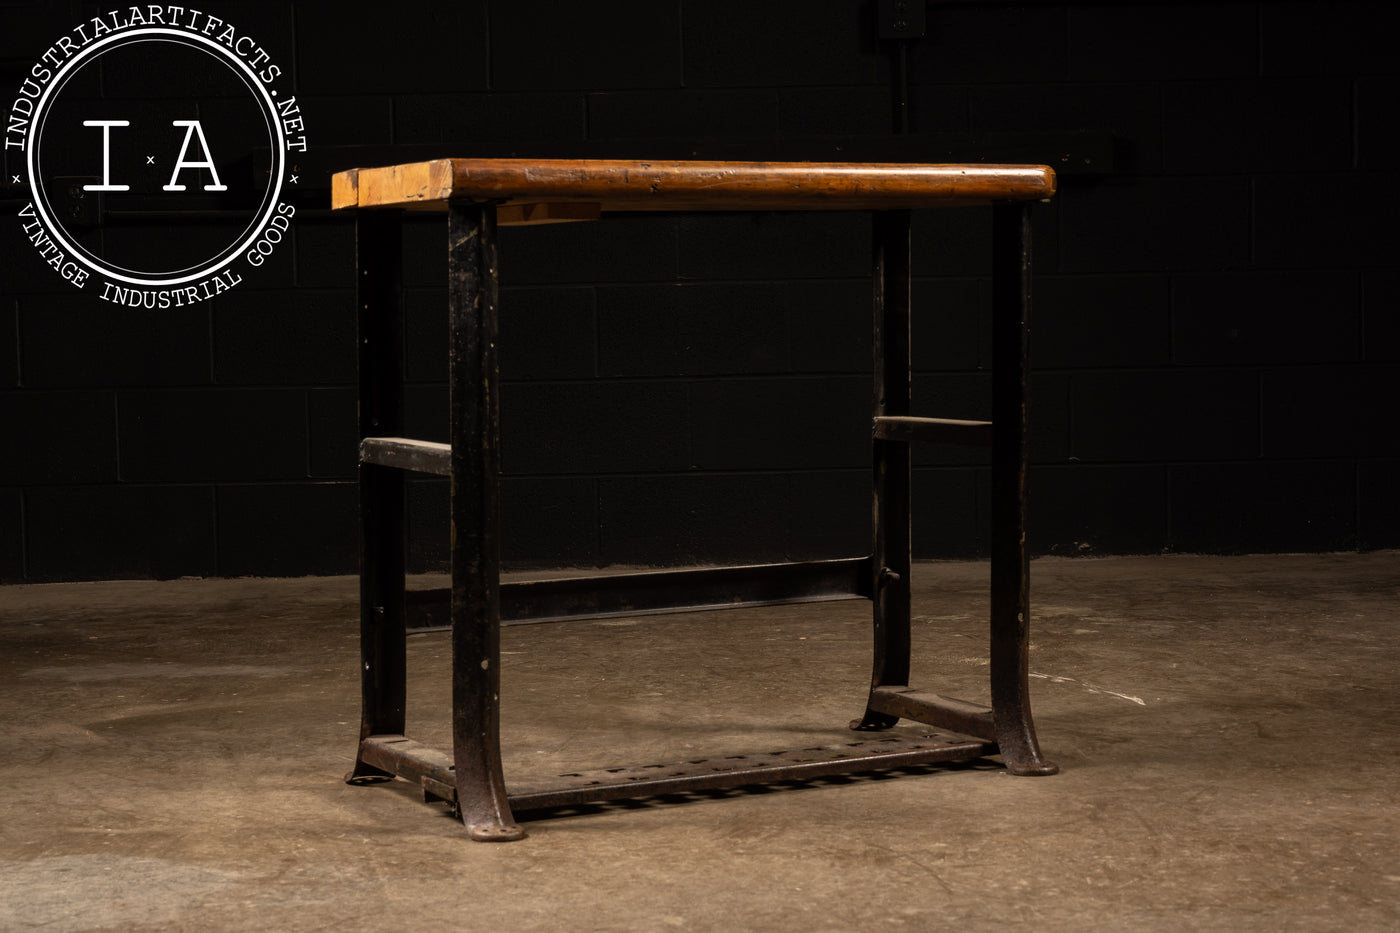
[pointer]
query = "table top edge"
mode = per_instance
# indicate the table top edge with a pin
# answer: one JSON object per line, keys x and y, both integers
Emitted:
{"x": 691, "y": 185}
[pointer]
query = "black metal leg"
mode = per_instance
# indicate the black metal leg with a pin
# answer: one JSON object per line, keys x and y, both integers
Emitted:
{"x": 472, "y": 777}
{"x": 379, "y": 307}
{"x": 1010, "y": 622}
{"x": 892, "y": 545}
{"x": 476, "y": 523}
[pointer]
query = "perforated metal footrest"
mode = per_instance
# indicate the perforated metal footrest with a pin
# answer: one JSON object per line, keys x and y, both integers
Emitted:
{"x": 884, "y": 753}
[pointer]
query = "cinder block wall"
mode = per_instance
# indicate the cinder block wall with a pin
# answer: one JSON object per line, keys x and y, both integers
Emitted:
{"x": 1216, "y": 341}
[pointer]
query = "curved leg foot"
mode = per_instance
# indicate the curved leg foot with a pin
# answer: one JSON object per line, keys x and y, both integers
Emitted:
{"x": 1034, "y": 767}
{"x": 363, "y": 774}
{"x": 874, "y": 722}
{"x": 1016, "y": 740}
{"x": 509, "y": 832}
{"x": 485, "y": 810}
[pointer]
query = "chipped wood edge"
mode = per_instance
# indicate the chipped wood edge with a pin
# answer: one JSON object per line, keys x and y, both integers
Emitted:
{"x": 411, "y": 185}
{"x": 345, "y": 189}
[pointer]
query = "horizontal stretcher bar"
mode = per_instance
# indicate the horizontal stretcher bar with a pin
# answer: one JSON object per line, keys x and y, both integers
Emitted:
{"x": 403, "y": 453}
{"x": 432, "y": 457}
{"x": 934, "y": 710}
{"x": 660, "y": 591}
{"x": 433, "y": 771}
{"x": 622, "y": 185}
{"x": 934, "y": 430}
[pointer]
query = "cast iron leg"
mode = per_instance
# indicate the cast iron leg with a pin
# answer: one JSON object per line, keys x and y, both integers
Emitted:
{"x": 1011, "y": 304}
{"x": 379, "y": 307}
{"x": 892, "y": 546}
{"x": 474, "y": 405}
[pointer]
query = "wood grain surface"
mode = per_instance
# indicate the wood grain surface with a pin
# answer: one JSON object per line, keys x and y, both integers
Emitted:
{"x": 613, "y": 185}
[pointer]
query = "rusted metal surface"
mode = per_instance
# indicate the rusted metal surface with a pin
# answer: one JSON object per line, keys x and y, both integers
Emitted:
{"x": 474, "y": 413}
{"x": 879, "y": 754}
{"x": 1011, "y": 608}
{"x": 403, "y": 453}
{"x": 660, "y": 591}
{"x": 932, "y": 709}
{"x": 397, "y": 754}
{"x": 431, "y": 770}
{"x": 892, "y": 546}
{"x": 379, "y": 299}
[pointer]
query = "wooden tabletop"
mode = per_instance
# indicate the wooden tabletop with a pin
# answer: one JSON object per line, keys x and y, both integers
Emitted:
{"x": 542, "y": 190}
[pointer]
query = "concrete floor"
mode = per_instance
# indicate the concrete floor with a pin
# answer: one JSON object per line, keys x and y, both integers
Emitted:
{"x": 1228, "y": 730}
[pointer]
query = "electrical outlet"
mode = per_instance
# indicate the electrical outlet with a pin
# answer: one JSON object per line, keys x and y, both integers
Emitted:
{"x": 74, "y": 205}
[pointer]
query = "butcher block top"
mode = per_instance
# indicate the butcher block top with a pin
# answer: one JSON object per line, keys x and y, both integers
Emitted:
{"x": 544, "y": 190}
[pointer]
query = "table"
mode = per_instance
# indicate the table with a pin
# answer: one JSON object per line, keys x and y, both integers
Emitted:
{"x": 477, "y": 195}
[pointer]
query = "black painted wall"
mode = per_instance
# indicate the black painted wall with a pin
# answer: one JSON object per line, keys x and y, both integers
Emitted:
{"x": 1216, "y": 340}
